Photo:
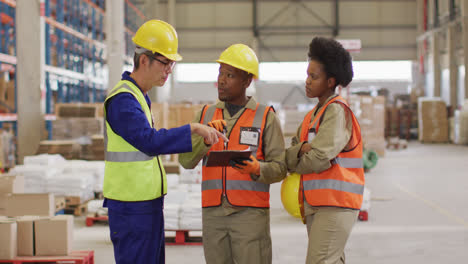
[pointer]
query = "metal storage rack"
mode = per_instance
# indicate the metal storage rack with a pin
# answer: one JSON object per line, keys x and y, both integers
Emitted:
{"x": 7, "y": 56}
{"x": 134, "y": 18}
{"x": 74, "y": 64}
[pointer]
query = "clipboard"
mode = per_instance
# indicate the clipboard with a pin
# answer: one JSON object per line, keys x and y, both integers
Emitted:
{"x": 222, "y": 158}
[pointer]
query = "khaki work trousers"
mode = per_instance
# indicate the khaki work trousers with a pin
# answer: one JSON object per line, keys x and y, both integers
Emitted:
{"x": 242, "y": 237}
{"x": 328, "y": 229}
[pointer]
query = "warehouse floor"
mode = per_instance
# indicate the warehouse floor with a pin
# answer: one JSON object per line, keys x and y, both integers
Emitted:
{"x": 419, "y": 214}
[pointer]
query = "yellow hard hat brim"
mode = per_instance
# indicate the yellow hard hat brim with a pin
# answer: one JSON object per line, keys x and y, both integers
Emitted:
{"x": 238, "y": 67}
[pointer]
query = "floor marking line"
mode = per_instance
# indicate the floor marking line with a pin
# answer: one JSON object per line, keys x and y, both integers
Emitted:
{"x": 434, "y": 206}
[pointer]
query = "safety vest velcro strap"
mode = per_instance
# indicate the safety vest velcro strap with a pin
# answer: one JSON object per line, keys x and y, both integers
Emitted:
{"x": 127, "y": 156}
{"x": 212, "y": 185}
{"x": 247, "y": 186}
{"x": 334, "y": 185}
{"x": 349, "y": 163}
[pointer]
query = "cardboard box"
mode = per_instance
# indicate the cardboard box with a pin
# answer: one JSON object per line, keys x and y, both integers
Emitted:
{"x": 11, "y": 183}
{"x": 7, "y": 239}
{"x": 41, "y": 204}
{"x": 26, "y": 239}
{"x": 54, "y": 236}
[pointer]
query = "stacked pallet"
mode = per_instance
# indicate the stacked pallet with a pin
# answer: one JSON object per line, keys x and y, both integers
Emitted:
{"x": 97, "y": 147}
{"x": 77, "y": 120}
{"x": 433, "y": 120}
{"x": 370, "y": 112}
{"x": 69, "y": 149}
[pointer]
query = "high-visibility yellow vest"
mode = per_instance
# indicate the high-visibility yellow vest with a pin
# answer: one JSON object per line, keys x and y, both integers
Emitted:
{"x": 131, "y": 175}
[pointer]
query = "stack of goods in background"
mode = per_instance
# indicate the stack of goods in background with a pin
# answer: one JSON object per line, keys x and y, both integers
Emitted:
{"x": 401, "y": 121}
{"x": 28, "y": 224}
{"x": 7, "y": 148}
{"x": 7, "y": 93}
{"x": 459, "y": 125}
{"x": 170, "y": 116}
{"x": 77, "y": 181}
{"x": 182, "y": 204}
{"x": 291, "y": 118}
{"x": 75, "y": 130}
{"x": 370, "y": 112}
{"x": 405, "y": 110}
{"x": 433, "y": 120}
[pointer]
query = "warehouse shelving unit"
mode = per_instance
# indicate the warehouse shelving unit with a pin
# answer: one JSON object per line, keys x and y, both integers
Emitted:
{"x": 7, "y": 59}
{"x": 134, "y": 18}
{"x": 74, "y": 67}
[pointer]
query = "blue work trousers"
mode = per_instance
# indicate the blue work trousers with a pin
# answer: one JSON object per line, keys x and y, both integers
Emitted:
{"x": 138, "y": 238}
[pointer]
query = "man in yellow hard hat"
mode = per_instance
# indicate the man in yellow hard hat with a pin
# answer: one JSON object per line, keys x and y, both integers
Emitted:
{"x": 235, "y": 199}
{"x": 135, "y": 180}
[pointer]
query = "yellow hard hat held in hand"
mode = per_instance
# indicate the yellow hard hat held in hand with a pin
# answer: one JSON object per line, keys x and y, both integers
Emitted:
{"x": 290, "y": 194}
{"x": 158, "y": 37}
{"x": 242, "y": 57}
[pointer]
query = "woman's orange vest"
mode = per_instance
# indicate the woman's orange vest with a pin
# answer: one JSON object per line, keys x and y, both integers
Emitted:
{"x": 238, "y": 188}
{"x": 342, "y": 185}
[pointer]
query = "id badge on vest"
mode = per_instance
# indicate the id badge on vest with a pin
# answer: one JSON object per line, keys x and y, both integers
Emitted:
{"x": 311, "y": 135}
{"x": 249, "y": 136}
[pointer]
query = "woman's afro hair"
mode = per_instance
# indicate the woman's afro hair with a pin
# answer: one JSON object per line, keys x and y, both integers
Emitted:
{"x": 335, "y": 59}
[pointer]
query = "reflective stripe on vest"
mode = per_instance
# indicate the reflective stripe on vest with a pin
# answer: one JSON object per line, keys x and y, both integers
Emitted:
{"x": 333, "y": 185}
{"x": 237, "y": 187}
{"x": 342, "y": 185}
{"x": 350, "y": 163}
{"x": 130, "y": 175}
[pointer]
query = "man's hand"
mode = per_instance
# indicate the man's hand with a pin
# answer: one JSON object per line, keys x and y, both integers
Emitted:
{"x": 304, "y": 149}
{"x": 209, "y": 134}
{"x": 218, "y": 124}
{"x": 247, "y": 166}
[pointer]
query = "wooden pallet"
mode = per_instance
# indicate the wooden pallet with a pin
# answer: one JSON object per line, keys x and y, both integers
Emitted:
{"x": 77, "y": 210}
{"x": 75, "y": 257}
{"x": 70, "y": 110}
{"x": 182, "y": 237}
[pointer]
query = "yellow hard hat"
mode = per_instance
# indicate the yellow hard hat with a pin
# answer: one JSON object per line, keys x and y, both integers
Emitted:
{"x": 158, "y": 36}
{"x": 241, "y": 57}
{"x": 290, "y": 194}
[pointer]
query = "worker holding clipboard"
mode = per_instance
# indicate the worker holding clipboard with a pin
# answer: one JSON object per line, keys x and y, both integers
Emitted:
{"x": 237, "y": 174}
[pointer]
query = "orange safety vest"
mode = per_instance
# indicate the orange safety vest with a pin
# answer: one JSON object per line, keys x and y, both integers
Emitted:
{"x": 239, "y": 188}
{"x": 342, "y": 185}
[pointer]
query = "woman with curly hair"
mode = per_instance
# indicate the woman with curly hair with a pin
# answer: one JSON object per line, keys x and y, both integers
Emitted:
{"x": 327, "y": 152}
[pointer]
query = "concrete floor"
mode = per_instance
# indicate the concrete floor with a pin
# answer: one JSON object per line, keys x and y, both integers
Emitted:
{"x": 419, "y": 214}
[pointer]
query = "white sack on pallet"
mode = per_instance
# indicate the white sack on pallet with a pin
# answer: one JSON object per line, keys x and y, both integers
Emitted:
{"x": 36, "y": 177}
{"x": 72, "y": 184}
{"x": 44, "y": 159}
{"x": 191, "y": 176}
{"x": 95, "y": 207}
{"x": 171, "y": 216}
{"x": 191, "y": 213}
{"x": 172, "y": 180}
{"x": 93, "y": 168}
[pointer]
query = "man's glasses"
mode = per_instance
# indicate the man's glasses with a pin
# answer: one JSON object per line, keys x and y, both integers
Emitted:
{"x": 168, "y": 64}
